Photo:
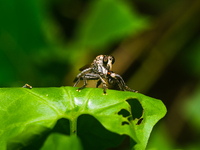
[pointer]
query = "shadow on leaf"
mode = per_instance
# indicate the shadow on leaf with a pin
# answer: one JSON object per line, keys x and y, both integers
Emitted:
{"x": 94, "y": 136}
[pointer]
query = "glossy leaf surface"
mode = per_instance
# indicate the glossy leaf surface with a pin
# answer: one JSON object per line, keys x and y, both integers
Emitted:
{"x": 29, "y": 114}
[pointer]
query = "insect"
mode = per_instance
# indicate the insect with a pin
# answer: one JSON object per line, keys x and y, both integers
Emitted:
{"x": 27, "y": 86}
{"x": 101, "y": 69}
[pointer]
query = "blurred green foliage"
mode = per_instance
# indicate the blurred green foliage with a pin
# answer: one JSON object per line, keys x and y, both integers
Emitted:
{"x": 108, "y": 21}
{"x": 20, "y": 37}
{"x": 191, "y": 110}
{"x": 192, "y": 56}
{"x": 31, "y": 48}
{"x": 160, "y": 139}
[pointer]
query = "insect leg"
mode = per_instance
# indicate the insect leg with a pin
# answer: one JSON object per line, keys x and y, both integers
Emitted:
{"x": 104, "y": 84}
{"x": 120, "y": 85}
{"x": 77, "y": 81}
{"x": 80, "y": 74}
{"x": 98, "y": 83}
{"x": 124, "y": 84}
{"x": 96, "y": 77}
{"x": 85, "y": 77}
{"x": 85, "y": 83}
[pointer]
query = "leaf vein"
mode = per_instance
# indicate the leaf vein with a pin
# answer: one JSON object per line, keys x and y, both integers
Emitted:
{"x": 44, "y": 100}
{"x": 69, "y": 96}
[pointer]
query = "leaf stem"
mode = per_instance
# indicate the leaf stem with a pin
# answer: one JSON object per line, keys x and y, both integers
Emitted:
{"x": 73, "y": 126}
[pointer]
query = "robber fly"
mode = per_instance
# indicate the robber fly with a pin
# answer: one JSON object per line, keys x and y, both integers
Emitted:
{"x": 101, "y": 69}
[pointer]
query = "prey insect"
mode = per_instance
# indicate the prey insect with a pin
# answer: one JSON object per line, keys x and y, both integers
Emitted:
{"x": 27, "y": 86}
{"x": 101, "y": 69}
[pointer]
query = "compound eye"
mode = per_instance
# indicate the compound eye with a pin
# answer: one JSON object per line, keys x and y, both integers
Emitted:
{"x": 105, "y": 59}
{"x": 113, "y": 60}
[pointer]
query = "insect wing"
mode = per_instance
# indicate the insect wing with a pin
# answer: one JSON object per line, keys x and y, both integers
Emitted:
{"x": 85, "y": 67}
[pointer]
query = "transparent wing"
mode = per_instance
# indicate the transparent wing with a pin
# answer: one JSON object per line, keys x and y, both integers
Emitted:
{"x": 85, "y": 67}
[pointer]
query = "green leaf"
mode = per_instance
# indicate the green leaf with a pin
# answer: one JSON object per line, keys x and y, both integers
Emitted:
{"x": 190, "y": 109}
{"x": 108, "y": 21}
{"x": 101, "y": 121}
{"x": 62, "y": 142}
{"x": 160, "y": 139}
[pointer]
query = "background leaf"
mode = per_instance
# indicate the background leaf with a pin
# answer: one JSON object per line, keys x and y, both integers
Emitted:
{"x": 29, "y": 114}
{"x": 108, "y": 21}
{"x": 60, "y": 142}
{"x": 190, "y": 109}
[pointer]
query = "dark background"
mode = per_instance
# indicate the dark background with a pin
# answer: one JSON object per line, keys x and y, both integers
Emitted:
{"x": 156, "y": 45}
